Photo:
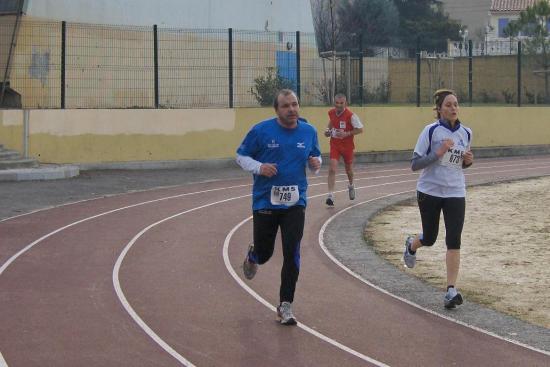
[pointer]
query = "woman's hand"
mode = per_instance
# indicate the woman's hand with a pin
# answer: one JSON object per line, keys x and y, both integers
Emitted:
{"x": 468, "y": 158}
{"x": 446, "y": 144}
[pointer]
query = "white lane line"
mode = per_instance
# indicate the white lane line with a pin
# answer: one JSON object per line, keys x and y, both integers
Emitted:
{"x": 415, "y": 174}
{"x": 32, "y": 244}
{"x": 133, "y": 192}
{"x": 273, "y": 308}
{"x": 357, "y": 276}
{"x": 376, "y": 171}
{"x": 122, "y": 298}
{"x": 2, "y": 361}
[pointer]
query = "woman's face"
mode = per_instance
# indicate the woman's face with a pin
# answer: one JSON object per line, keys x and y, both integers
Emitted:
{"x": 449, "y": 108}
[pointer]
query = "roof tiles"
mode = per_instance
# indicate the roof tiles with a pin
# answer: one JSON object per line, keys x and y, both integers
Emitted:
{"x": 510, "y": 5}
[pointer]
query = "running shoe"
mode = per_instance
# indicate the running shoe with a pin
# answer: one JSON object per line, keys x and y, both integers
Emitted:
{"x": 285, "y": 315}
{"x": 408, "y": 258}
{"x": 351, "y": 192}
{"x": 329, "y": 202}
{"x": 451, "y": 301}
{"x": 250, "y": 267}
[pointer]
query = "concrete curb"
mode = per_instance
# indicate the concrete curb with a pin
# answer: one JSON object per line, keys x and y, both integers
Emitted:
{"x": 54, "y": 172}
{"x": 39, "y": 173}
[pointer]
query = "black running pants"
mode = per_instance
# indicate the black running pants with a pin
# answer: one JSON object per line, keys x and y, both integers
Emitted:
{"x": 266, "y": 224}
{"x": 453, "y": 215}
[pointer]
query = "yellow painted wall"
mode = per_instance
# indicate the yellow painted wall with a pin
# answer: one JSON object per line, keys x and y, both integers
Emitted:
{"x": 11, "y": 129}
{"x": 96, "y": 136}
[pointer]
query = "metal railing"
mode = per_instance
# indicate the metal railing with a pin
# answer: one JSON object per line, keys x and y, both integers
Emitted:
{"x": 70, "y": 65}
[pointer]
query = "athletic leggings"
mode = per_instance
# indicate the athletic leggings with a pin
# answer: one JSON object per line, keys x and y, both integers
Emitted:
{"x": 266, "y": 225}
{"x": 453, "y": 215}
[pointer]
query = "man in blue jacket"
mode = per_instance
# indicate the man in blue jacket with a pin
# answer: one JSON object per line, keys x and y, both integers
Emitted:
{"x": 276, "y": 151}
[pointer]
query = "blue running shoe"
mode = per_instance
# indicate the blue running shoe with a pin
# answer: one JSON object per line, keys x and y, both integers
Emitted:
{"x": 250, "y": 267}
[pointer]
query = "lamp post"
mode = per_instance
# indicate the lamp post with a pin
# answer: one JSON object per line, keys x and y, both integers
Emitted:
{"x": 487, "y": 30}
{"x": 463, "y": 33}
{"x": 333, "y": 39}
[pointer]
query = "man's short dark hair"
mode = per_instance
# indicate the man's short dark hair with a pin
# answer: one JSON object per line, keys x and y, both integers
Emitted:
{"x": 340, "y": 95}
{"x": 283, "y": 92}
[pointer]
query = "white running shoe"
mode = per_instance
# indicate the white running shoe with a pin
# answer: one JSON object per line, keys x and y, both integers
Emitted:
{"x": 408, "y": 258}
{"x": 285, "y": 315}
{"x": 351, "y": 192}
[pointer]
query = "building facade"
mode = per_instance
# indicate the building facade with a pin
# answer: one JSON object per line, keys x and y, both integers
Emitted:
{"x": 267, "y": 15}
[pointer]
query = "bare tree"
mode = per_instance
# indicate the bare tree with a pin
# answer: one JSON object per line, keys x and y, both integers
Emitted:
{"x": 327, "y": 29}
{"x": 534, "y": 22}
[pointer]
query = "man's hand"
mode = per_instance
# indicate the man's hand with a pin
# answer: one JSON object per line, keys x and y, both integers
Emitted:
{"x": 328, "y": 133}
{"x": 268, "y": 169}
{"x": 314, "y": 163}
{"x": 342, "y": 134}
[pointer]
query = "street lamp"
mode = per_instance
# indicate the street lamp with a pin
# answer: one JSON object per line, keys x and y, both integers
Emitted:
{"x": 488, "y": 30}
{"x": 333, "y": 39}
{"x": 463, "y": 33}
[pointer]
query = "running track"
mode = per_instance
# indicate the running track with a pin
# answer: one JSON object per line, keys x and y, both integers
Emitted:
{"x": 153, "y": 278}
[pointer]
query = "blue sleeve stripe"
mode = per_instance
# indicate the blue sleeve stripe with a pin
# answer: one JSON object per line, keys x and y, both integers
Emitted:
{"x": 430, "y": 134}
{"x": 467, "y": 132}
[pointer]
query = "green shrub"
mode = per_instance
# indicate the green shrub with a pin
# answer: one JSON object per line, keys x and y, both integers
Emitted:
{"x": 265, "y": 87}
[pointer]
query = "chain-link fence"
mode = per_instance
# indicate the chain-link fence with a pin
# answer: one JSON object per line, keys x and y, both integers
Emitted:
{"x": 69, "y": 65}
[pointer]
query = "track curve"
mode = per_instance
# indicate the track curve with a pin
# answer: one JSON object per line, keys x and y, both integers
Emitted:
{"x": 153, "y": 278}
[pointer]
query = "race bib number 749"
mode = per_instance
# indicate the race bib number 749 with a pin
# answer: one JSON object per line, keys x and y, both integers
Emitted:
{"x": 285, "y": 195}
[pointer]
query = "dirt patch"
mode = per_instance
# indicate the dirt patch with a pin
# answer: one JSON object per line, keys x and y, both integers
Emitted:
{"x": 505, "y": 255}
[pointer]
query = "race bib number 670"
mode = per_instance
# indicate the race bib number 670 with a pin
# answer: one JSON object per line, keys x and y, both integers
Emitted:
{"x": 453, "y": 158}
{"x": 285, "y": 195}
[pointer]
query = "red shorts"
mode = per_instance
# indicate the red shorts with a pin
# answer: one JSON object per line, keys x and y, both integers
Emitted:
{"x": 345, "y": 152}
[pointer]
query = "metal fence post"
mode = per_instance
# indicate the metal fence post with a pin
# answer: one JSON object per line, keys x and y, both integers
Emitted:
{"x": 519, "y": 73}
{"x": 156, "y": 64}
{"x": 230, "y": 30}
{"x": 360, "y": 69}
{"x": 298, "y": 82}
{"x": 26, "y": 133}
{"x": 470, "y": 72}
{"x": 418, "y": 61}
{"x": 63, "y": 56}
{"x": 11, "y": 52}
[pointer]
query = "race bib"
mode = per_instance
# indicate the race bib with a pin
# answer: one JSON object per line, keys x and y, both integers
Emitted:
{"x": 285, "y": 195}
{"x": 342, "y": 124}
{"x": 453, "y": 158}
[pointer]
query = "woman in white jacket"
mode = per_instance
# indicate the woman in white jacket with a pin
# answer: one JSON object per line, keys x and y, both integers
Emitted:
{"x": 442, "y": 152}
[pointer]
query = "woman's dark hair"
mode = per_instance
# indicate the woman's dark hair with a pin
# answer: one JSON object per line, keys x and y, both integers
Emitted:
{"x": 439, "y": 97}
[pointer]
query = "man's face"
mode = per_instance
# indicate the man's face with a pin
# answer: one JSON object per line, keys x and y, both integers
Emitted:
{"x": 340, "y": 104}
{"x": 288, "y": 109}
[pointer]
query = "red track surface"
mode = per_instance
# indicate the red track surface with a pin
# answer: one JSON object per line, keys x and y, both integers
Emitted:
{"x": 142, "y": 279}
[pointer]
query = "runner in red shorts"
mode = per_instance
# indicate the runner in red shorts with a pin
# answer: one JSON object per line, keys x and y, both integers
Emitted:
{"x": 343, "y": 125}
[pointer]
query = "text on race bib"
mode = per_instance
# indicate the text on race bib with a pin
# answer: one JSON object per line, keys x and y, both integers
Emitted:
{"x": 453, "y": 158}
{"x": 285, "y": 195}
